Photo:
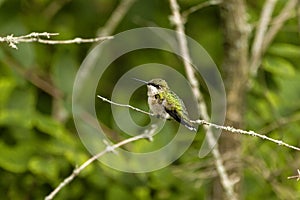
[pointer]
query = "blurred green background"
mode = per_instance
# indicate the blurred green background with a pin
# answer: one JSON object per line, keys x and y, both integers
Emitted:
{"x": 39, "y": 145}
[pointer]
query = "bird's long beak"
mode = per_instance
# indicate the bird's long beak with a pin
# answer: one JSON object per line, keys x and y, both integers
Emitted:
{"x": 140, "y": 80}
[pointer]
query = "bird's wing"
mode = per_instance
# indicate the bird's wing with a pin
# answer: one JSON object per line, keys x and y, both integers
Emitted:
{"x": 179, "y": 117}
{"x": 173, "y": 113}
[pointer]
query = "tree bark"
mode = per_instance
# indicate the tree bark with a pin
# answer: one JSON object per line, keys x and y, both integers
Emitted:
{"x": 235, "y": 67}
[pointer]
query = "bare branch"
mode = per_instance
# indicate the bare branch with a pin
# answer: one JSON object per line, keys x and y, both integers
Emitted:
{"x": 204, "y": 122}
{"x": 35, "y": 37}
{"x": 195, "y": 8}
{"x": 218, "y": 160}
{"x": 250, "y": 133}
{"x": 53, "y": 8}
{"x": 179, "y": 24}
{"x": 224, "y": 128}
{"x": 278, "y": 22}
{"x": 296, "y": 176}
{"x": 109, "y": 148}
{"x": 264, "y": 20}
{"x": 265, "y": 36}
{"x": 116, "y": 17}
{"x": 75, "y": 40}
{"x": 124, "y": 105}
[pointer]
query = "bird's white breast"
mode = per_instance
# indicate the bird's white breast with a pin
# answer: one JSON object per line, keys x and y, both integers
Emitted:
{"x": 156, "y": 105}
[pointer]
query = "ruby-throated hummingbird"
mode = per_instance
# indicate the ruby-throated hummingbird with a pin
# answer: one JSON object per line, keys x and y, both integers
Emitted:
{"x": 163, "y": 102}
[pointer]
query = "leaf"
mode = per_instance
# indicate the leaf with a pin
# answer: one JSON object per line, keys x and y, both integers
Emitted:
{"x": 6, "y": 87}
{"x": 162, "y": 174}
{"x": 64, "y": 72}
{"x": 1, "y": 2}
{"x": 15, "y": 118}
{"x": 288, "y": 93}
{"x": 142, "y": 193}
{"x": 273, "y": 98}
{"x": 23, "y": 100}
{"x": 20, "y": 108}
{"x": 15, "y": 158}
{"x": 44, "y": 167}
{"x": 118, "y": 192}
{"x": 285, "y": 50}
{"x": 52, "y": 127}
{"x": 278, "y": 66}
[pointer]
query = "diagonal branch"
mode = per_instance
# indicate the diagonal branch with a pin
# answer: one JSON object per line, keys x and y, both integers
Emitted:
{"x": 124, "y": 105}
{"x": 278, "y": 22}
{"x": 179, "y": 24}
{"x": 116, "y": 17}
{"x": 265, "y": 36}
{"x": 264, "y": 21}
{"x": 109, "y": 148}
{"x": 176, "y": 19}
{"x": 199, "y": 6}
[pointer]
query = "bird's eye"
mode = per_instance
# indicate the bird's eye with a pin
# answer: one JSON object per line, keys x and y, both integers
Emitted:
{"x": 157, "y": 96}
{"x": 155, "y": 85}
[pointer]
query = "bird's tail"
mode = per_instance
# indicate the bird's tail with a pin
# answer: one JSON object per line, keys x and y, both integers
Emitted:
{"x": 188, "y": 125}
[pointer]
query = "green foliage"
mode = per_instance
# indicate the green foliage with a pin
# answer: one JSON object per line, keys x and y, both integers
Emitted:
{"x": 278, "y": 66}
{"x": 273, "y": 109}
{"x": 39, "y": 145}
{"x": 285, "y": 50}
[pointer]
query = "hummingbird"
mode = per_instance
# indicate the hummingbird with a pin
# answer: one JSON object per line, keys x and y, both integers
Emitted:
{"x": 164, "y": 103}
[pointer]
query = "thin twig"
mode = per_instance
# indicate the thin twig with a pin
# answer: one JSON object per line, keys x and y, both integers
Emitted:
{"x": 199, "y": 6}
{"x": 124, "y": 105}
{"x": 77, "y": 40}
{"x": 250, "y": 133}
{"x": 278, "y": 22}
{"x": 264, "y": 36}
{"x": 204, "y": 122}
{"x": 109, "y": 148}
{"x": 116, "y": 17}
{"x": 36, "y": 37}
{"x": 53, "y": 8}
{"x": 179, "y": 24}
{"x": 264, "y": 20}
{"x": 296, "y": 176}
